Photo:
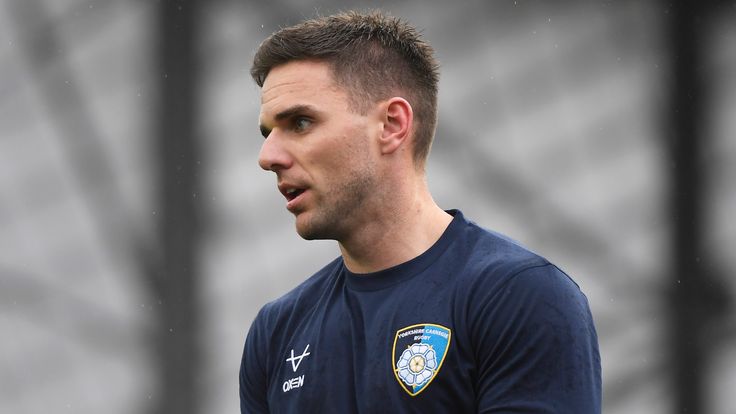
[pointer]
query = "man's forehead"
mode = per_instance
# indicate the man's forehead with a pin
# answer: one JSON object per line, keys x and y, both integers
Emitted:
{"x": 283, "y": 96}
{"x": 283, "y": 87}
{"x": 300, "y": 72}
{"x": 298, "y": 83}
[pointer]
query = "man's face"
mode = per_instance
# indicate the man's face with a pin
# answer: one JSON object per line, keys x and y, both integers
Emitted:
{"x": 320, "y": 150}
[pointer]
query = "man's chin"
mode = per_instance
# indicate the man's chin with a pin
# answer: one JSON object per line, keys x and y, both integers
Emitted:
{"x": 308, "y": 234}
{"x": 304, "y": 226}
{"x": 308, "y": 229}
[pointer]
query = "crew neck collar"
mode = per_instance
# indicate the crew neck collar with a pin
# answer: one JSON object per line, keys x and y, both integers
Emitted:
{"x": 396, "y": 274}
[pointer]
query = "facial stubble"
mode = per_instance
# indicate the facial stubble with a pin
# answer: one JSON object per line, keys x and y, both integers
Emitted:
{"x": 346, "y": 204}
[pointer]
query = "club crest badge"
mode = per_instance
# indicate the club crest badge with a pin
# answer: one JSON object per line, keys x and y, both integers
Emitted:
{"x": 418, "y": 353}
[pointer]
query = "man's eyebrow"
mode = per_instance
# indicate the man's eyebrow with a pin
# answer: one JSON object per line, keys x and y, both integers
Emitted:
{"x": 286, "y": 114}
{"x": 293, "y": 110}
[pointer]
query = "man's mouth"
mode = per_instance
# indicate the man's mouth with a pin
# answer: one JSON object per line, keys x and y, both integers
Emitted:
{"x": 292, "y": 193}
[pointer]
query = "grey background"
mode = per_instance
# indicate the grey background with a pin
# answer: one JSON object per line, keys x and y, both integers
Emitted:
{"x": 553, "y": 129}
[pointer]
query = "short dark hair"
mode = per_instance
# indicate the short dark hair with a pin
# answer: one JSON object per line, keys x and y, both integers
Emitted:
{"x": 373, "y": 56}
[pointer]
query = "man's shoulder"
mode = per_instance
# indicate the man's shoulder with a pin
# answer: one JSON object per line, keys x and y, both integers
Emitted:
{"x": 487, "y": 252}
{"x": 493, "y": 262}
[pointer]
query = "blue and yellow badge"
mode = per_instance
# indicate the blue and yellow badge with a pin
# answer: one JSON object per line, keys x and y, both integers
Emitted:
{"x": 418, "y": 354}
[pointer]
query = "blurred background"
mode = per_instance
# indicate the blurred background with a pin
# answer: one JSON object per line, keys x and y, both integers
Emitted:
{"x": 138, "y": 237}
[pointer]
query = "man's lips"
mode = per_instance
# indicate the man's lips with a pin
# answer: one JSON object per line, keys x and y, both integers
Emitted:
{"x": 293, "y": 194}
{"x": 294, "y": 201}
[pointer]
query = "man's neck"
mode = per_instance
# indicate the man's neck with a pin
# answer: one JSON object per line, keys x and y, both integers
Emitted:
{"x": 398, "y": 236}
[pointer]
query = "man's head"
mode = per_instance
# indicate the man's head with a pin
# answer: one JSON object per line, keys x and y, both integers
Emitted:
{"x": 372, "y": 56}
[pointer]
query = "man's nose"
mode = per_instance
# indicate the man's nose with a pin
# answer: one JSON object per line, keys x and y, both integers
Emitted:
{"x": 273, "y": 155}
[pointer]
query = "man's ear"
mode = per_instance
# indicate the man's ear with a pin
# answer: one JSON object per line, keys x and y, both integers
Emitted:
{"x": 397, "y": 125}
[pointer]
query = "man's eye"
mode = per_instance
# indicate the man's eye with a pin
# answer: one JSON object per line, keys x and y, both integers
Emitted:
{"x": 300, "y": 124}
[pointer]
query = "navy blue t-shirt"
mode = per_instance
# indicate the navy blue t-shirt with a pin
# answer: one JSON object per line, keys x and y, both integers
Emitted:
{"x": 474, "y": 324}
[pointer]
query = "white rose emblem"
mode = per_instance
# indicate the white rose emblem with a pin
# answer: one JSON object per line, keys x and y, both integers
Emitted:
{"x": 417, "y": 364}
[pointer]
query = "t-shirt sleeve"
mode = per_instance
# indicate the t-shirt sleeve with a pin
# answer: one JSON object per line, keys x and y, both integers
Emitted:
{"x": 536, "y": 346}
{"x": 253, "y": 374}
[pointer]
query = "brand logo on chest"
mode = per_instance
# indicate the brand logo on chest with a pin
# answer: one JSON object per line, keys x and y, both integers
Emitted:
{"x": 418, "y": 353}
{"x": 295, "y": 360}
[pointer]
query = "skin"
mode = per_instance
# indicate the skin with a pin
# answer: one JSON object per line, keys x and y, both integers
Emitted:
{"x": 360, "y": 184}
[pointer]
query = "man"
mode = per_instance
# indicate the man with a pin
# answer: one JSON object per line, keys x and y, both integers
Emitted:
{"x": 424, "y": 311}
